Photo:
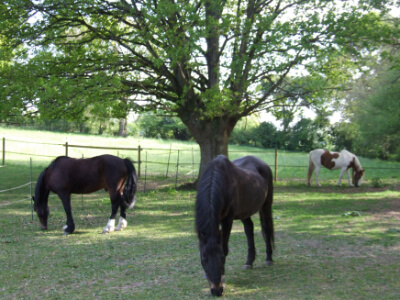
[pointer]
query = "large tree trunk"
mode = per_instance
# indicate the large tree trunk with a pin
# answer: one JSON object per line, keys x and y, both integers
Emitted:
{"x": 212, "y": 137}
{"x": 123, "y": 127}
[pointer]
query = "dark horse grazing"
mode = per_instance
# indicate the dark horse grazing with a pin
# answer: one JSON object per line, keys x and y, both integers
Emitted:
{"x": 66, "y": 176}
{"x": 227, "y": 191}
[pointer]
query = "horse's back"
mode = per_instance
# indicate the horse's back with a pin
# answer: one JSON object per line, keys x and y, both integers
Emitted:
{"x": 253, "y": 163}
{"x": 85, "y": 175}
{"x": 253, "y": 185}
{"x": 316, "y": 153}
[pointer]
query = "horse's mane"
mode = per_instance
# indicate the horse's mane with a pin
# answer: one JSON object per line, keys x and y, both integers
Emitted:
{"x": 213, "y": 188}
{"x": 357, "y": 164}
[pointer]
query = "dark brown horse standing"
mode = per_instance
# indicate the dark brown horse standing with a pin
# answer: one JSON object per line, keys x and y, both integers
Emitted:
{"x": 227, "y": 191}
{"x": 66, "y": 176}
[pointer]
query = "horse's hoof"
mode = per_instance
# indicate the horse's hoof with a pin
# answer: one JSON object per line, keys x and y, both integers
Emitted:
{"x": 68, "y": 230}
{"x": 247, "y": 267}
{"x": 110, "y": 227}
{"x": 269, "y": 263}
{"x": 122, "y": 224}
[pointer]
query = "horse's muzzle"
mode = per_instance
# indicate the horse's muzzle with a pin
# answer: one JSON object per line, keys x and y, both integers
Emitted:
{"x": 216, "y": 290}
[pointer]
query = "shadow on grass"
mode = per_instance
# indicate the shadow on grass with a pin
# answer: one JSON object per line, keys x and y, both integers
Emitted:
{"x": 319, "y": 253}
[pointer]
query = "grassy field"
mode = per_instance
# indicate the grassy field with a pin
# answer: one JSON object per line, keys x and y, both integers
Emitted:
{"x": 161, "y": 157}
{"x": 331, "y": 243}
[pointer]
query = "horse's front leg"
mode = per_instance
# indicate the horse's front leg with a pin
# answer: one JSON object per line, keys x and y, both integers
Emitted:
{"x": 251, "y": 250}
{"x": 115, "y": 203}
{"x": 226, "y": 227}
{"x": 341, "y": 175}
{"x": 122, "y": 222}
{"x": 317, "y": 169}
{"x": 348, "y": 178}
{"x": 66, "y": 201}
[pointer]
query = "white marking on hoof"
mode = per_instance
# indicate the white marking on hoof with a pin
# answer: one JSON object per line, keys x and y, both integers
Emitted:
{"x": 247, "y": 267}
{"x": 65, "y": 227}
{"x": 122, "y": 223}
{"x": 110, "y": 226}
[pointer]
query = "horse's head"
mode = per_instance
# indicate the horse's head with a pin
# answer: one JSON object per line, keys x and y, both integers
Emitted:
{"x": 42, "y": 211}
{"x": 357, "y": 177}
{"x": 213, "y": 262}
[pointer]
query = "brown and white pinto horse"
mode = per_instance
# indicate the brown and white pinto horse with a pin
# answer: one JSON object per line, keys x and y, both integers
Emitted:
{"x": 343, "y": 160}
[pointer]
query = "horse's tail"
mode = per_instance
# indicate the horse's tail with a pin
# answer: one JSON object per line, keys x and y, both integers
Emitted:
{"x": 40, "y": 199}
{"x": 40, "y": 190}
{"x": 267, "y": 219}
{"x": 128, "y": 194}
{"x": 311, "y": 168}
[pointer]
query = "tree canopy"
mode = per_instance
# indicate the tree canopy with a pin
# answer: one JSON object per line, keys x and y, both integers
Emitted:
{"x": 208, "y": 62}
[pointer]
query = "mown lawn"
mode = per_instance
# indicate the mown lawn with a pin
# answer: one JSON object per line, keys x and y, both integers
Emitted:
{"x": 166, "y": 157}
{"x": 331, "y": 243}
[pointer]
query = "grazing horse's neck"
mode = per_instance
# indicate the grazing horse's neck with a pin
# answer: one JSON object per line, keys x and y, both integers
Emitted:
{"x": 356, "y": 165}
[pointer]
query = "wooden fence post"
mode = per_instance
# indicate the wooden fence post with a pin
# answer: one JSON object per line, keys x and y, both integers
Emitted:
{"x": 66, "y": 148}
{"x": 169, "y": 158}
{"x": 4, "y": 151}
{"x": 139, "y": 160}
{"x": 177, "y": 170}
{"x": 276, "y": 164}
{"x": 31, "y": 189}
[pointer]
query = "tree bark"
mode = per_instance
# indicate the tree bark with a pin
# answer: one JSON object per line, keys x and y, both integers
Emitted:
{"x": 212, "y": 137}
{"x": 123, "y": 127}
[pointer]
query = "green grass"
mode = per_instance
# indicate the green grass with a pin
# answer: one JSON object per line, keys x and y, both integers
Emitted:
{"x": 331, "y": 242}
{"x": 320, "y": 253}
{"x": 21, "y": 145}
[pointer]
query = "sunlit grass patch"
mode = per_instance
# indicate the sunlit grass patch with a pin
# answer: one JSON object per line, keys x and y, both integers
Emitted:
{"x": 320, "y": 254}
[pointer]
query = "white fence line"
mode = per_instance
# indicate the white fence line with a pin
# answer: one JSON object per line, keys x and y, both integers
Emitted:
{"x": 15, "y": 188}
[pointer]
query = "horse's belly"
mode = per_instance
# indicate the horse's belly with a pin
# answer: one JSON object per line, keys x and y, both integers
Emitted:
{"x": 249, "y": 207}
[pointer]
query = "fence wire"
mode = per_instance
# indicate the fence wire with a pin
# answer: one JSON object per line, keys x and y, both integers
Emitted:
{"x": 156, "y": 167}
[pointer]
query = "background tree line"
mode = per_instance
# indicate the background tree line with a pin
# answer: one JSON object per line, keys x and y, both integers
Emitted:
{"x": 209, "y": 63}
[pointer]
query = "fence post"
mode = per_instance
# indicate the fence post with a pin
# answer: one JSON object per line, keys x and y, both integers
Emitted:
{"x": 192, "y": 164}
{"x": 31, "y": 190}
{"x": 276, "y": 164}
{"x": 177, "y": 170}
{"x": 4, "y": 151}
{"x": 66, "y": 148}
{"x": 145, "y": 173}
{"x": 139, "y": 160}
{"x": 169, "y": 158}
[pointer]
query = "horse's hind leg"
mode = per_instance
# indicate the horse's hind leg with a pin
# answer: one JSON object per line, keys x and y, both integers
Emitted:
{"x": 311, "y": 168}
{"x": 122, "y": 222}
{"x": 317, "y": 169}
{"x": 115, "y": 204}
{"x": 267, "y": 227}
{"x": 66, "y": 201}
{"x": 251, "y": 249}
